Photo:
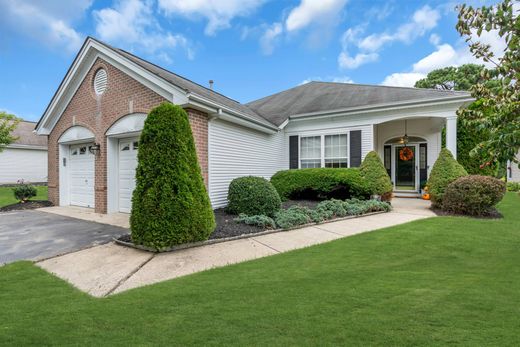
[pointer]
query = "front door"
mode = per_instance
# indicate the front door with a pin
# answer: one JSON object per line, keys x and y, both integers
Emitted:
{"x": 405, "y": 169}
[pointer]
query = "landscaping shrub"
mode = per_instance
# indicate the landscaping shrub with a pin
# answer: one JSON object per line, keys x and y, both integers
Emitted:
{"x": 335, "y": 207}
{"x": 253, "y": 196}
{"x": 170, "y": 204}
{"x": 473, "y": 195}
{"x": 23, "y": 192}
{"x": 513, "y": 186}
{"x": 293, "y": 216}
{"x": 320, "y": 183}
{"x": 445, "y": 170}
{"x": 376, "y": 176}
{"x": 262, "y": 221}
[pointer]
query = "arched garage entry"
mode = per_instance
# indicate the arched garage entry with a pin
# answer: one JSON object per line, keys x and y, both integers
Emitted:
{"x": 122, "y": 147}
{"x": 76, "y": 170}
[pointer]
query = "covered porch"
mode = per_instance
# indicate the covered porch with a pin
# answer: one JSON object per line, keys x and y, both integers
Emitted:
{"x": 409, "y": 147}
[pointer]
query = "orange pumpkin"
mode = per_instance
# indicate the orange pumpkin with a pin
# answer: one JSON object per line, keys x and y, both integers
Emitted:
{"x": 426, "y": 196}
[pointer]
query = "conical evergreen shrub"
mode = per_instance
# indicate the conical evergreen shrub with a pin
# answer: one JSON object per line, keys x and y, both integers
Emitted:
{"x": 170, "y": 205}
{"x": 445, "y": 170}
{"x": 377, "y": 179}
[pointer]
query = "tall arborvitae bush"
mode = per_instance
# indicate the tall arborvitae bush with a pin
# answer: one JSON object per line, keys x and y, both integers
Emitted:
{"x": 374, "y": 172}
{"x": 445, "y": 170}
{"x": 170, "y": 204}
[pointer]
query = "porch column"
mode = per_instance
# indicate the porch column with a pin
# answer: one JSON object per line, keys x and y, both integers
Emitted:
{"x": 451, "y": 135}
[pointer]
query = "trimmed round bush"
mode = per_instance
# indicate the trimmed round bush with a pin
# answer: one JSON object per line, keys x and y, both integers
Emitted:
{"x": 23, "y": 192}
{"x": 445, "y": 170}
{"x": 253, "y": 195}
{"x": 170, "y": 205}
{"x": 377, "y": 179}
{"x": 320, "y": 183}
{"x": 473, "y": 195}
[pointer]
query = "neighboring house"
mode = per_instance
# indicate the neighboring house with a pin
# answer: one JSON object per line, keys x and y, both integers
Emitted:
{"x": 95, "y": 117}
{"x": 513, "y": 171}
{"x": 25, "y": 158}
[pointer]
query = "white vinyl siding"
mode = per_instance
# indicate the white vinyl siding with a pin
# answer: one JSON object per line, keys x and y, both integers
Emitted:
{"x": 514, "y": 171}
{"x": 236, "y": 151}
{"x": 27, "y": 164}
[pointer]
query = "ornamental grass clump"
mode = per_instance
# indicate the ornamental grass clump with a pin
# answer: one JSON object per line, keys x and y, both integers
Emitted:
{"x": 445, "y": 170}
{"x": 170, "y": 205}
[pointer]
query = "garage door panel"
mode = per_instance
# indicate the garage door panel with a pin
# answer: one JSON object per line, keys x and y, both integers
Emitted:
{"x": 127, "y": 164}
{"x": 81, "y": 176}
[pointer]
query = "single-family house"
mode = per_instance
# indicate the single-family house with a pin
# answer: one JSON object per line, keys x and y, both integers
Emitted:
{"x": 26, "y": 158}
{"x": 95, "y": 117}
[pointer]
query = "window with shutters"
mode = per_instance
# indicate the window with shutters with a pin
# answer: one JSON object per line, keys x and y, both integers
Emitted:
{"x": 324, "y": 151}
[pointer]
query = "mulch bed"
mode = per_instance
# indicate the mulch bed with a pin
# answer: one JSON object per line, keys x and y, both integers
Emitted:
{"x": 227, "y": 227}
{"x": 29, "y": 205}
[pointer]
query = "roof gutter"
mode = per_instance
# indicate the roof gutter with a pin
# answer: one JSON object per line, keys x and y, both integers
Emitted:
{"x": 222, "y": 111}
{"x": 461, "y": 100}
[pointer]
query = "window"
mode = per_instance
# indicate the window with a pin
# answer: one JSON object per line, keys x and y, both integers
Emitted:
{"x": 74, "y": 151}
{"x": 126, "y": 147}
{"x": 336, "y": 151}
{"x": 310, "y": 152}
{"x": 325, "y": 150}
{"x": 136, "y": 145}
{"x": 82, "y": 150}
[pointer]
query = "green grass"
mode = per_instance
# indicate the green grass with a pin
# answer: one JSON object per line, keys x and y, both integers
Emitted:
{"x": 7, "y": 196}
{"x": 439, "y": 281}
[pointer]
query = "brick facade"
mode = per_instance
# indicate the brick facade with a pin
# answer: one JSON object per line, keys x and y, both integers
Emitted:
{"x": 124, "y": 95}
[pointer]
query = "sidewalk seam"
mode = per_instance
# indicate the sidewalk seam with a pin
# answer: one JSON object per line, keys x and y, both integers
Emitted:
{"x": 332, "y": 232}
{"x": 263, "y": 244}
{"x": 127, "y": 277}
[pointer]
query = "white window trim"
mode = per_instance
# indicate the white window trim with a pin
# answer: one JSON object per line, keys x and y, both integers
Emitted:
{"x": 322, "y": 146}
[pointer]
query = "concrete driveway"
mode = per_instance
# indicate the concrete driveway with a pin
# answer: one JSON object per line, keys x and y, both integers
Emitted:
{"x": 35, "y": 235}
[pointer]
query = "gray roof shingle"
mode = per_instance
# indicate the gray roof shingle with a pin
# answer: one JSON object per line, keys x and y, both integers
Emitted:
{"x": 26, "y": 136}
{"x": 329, "y": 96}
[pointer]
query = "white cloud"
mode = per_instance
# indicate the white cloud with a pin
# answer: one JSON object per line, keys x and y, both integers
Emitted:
{"x": 446, "y": 55}
{"x": 269, "y": 38}
{"x": 337, "y": 79}
{"x": 311, "y": 11}
{"x": 49, "y": 22}
{"x": 219, "y": 13}
{"x": 346, "y": 61}
{"x": 132, "y": 23}
{"x": 435, "y": 39}
{"x": 368, "y": 47}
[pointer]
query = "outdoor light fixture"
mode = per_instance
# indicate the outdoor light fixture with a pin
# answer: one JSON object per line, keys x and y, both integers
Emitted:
{"x": 94, "y": 149}
{"x": 404, "y": 139}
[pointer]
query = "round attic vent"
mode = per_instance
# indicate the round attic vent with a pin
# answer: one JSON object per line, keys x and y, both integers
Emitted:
{"x": 100, "y": 81}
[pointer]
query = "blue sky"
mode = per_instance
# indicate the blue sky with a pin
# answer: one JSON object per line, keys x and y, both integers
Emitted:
{"x": 250, "y": 48}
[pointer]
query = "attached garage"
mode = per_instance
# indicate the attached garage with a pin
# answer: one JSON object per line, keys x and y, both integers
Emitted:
{"x": 81, "y": 175}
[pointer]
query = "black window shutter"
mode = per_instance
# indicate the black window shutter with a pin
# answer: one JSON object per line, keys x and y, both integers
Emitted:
{"x": 423, "y": 169}
{"x": 293, "y": 152}
{"x": 388, "y": 159}
{"x": 355, "y": 148}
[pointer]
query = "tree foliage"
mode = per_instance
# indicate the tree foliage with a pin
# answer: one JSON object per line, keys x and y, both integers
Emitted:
{"x": 499, "y": 108}
{"x": 170, "y": 204}
{"x": 8, "y": 123}
{"x": 469, "y": 135}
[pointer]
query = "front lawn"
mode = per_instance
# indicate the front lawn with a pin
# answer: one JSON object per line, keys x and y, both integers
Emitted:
{"x": 438, "y": 281}
{"x": 7, "y": 197}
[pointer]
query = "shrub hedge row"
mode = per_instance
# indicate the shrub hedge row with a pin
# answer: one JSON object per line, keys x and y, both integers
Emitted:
{"x": 320, "y": 183}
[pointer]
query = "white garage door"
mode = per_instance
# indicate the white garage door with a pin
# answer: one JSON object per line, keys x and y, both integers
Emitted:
{"x": 127, "y": 165}
{"x": 81, "y": 171}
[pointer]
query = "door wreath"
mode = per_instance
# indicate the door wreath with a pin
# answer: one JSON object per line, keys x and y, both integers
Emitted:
{"x": 406, "y": 154}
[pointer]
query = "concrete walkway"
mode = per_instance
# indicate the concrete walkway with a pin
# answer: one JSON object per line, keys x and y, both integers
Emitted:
{"x": 110, "y": 268}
